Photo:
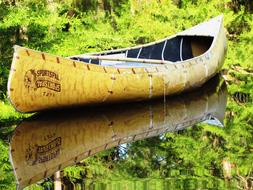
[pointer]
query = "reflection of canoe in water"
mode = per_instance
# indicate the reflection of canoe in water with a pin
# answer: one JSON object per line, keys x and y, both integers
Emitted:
{"x": 184, "y": 61}
{"x": 48, "y": 143}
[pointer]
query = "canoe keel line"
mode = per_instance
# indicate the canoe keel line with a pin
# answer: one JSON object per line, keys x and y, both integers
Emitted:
{"x": 169, "y": 66}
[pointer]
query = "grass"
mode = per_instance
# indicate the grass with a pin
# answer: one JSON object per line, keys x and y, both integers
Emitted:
{"x": 8, "y": 114}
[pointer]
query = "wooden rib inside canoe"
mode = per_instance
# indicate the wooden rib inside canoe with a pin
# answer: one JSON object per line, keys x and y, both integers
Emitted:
{"x": 182, "y": 62}
{"x": 48, "y": 143}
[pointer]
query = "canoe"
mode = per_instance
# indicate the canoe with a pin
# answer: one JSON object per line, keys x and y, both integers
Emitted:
{"x": 181, "y": 62}
{"x": 50, "y": 142}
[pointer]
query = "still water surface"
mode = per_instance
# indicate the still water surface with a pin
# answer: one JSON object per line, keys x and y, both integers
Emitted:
{"x": 162, "y": 129}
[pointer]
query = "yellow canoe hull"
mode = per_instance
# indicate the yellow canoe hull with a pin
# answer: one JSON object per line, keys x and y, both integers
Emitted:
{"x": 40, "y": 81}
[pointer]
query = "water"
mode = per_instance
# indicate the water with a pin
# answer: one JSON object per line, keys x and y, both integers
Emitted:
{"x": 161, "y": 184}
{"x": 182, "y": 142}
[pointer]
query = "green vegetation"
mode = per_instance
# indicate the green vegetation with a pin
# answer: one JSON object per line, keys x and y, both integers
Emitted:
{"x": 9, "y": 114}
{"x": 7, "y": 180}
{"x": 73, "y": 27}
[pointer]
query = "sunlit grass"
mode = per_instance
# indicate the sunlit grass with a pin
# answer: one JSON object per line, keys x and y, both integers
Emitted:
{"x": 8, "y": 113}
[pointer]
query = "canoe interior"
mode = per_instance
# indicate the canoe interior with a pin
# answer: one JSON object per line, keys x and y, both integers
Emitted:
{"x": 179, "y": 48}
